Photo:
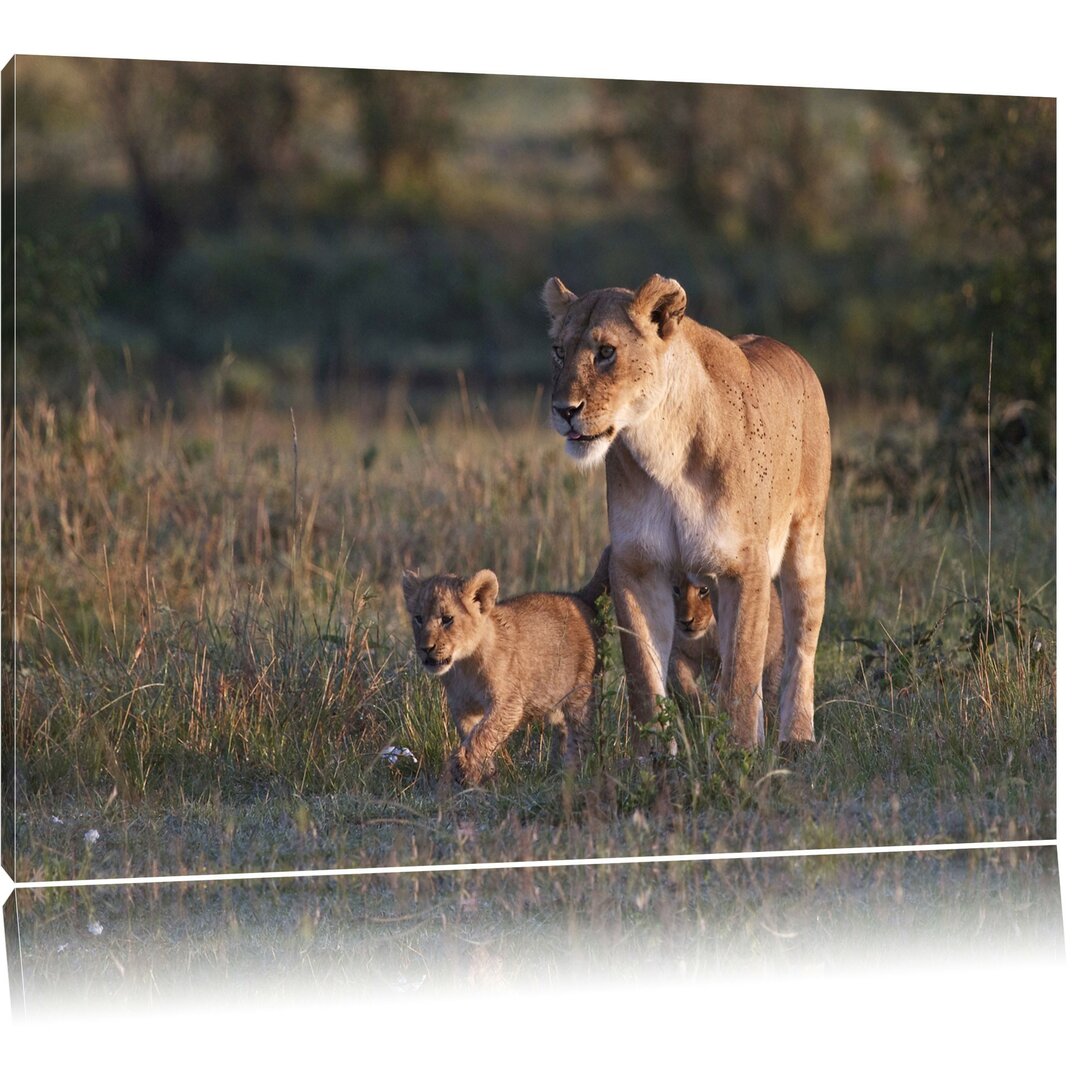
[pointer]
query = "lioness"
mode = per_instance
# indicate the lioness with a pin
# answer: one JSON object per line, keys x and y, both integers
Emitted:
{"x": 694, "y": 647}
{"x": 500, "y": 664}
{"x": 717, "y": 457}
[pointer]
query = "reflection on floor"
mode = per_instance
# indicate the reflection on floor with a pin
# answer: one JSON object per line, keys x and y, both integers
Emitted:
{"x": 121, "y": 946}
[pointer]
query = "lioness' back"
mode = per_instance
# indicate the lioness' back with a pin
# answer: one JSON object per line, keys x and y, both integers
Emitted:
{"x": 792, "y": 393}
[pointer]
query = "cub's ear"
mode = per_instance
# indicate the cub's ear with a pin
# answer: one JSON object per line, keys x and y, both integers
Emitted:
{"x": 557, "y": 298}
{"x": 410, "y": 582}
{"x": 662, "y": 302}
{"x": 482, "y": 589}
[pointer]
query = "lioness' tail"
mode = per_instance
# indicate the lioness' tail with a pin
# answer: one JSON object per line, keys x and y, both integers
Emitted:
{"x": 598, "y": 583}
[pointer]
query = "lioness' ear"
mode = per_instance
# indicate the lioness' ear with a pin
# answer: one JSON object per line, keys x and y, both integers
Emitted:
{"x": 557, "y": 298}
{"x": 661, "y": 301}
{"x": 410, "y": 582}
{"x": 483, "y": 589}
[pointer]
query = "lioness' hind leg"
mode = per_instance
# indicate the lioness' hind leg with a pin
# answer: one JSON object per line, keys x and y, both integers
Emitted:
{"x": 802, "y": 579}
{"x": 774, "y": 657}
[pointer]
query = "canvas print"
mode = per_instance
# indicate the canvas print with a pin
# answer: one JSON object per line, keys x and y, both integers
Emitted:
{"x": 412, "y": 469}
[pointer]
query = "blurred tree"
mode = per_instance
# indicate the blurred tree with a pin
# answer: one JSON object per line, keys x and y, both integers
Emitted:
{"x": 145, "y": 110}
{"x": 741, "y": 161}
{"x": 198, "y": 141}
{"x": 247, "y": 113}
{"x": 885, "y": 235}
{"x": 405, "y": 119}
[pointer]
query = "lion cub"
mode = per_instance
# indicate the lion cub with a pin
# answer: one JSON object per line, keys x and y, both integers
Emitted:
{"x": 530, "y": 657}
{"x": 695, "y": 647}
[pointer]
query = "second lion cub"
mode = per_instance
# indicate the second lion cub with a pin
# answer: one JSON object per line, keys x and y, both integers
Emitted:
{"x": 695, "y": 647}
{"x": 530, "y": 657}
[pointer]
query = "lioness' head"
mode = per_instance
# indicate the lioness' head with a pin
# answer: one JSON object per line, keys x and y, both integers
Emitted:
{"x": 448, "y": 614}
{"x": 607, "y": 359}
{"x": 693, "y": 609}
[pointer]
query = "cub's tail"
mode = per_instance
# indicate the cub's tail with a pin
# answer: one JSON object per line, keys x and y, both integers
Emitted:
{"x": 598, "y": 583}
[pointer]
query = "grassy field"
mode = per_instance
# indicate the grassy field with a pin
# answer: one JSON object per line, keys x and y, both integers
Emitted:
{"x": 213, "y": 648}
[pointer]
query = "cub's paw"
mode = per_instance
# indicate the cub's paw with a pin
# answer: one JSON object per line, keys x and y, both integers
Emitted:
{"x": 466, "y": 771}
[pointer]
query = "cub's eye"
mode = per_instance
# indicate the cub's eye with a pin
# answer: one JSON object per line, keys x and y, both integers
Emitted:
{"x": 677, "y": 591}
{"x": 416, "y": 619}
{"x": 560, "y": 352}
{"x": 447, "y": 620}
{"x": 606, "y": 352}
{"x": 703, "y": 591}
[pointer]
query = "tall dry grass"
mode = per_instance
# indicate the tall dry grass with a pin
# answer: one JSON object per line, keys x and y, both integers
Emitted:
{"x": 212, "y": 648}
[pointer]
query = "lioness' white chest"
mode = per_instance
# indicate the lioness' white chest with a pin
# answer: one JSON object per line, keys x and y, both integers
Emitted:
{"x": 674, "y": 528}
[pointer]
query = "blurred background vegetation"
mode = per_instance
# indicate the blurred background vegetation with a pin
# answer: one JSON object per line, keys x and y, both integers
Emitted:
{"x": 282, "y": 235}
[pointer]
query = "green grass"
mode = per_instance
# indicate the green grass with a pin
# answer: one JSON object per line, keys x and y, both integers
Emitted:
{"x": 213, "y": 649}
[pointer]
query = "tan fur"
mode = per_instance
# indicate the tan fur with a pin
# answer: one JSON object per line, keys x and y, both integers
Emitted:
{"x": 717, "y": 454}
{"x": 694, "y": 649}
{"x": 532, "y": 657}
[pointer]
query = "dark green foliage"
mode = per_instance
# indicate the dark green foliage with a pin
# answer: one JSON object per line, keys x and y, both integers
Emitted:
{"x": 992, "y": 177}
{"x": 56, "y": 298}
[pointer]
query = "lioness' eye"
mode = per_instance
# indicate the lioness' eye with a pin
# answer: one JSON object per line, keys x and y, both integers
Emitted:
{"x": 560, "y": 352}
{"x": 677, "y": 591}
{"x": 703, "y": 591}
{"x": 447, "y": 620}
{"x": 606, "y": 352}
{"x": 416, "y": 619}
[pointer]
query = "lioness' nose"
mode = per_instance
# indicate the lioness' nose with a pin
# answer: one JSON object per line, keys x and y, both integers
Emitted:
{"x": 687, "y": 624}
{"x": 568, "y": 412}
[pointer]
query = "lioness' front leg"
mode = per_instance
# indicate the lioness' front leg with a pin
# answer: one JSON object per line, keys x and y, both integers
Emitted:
{"x": 742, "y": 624}
{"x": 646, "y": 617}
{"x": 474, "y": 760}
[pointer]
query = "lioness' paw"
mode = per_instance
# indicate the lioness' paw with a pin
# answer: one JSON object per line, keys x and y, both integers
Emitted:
{"x": 790, "y": 751}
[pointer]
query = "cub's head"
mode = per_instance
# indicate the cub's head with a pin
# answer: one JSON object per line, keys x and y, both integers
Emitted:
{"x": 693, "y": 609}
{"x": 447, "y": 615}
{"x": 607, "y": 356}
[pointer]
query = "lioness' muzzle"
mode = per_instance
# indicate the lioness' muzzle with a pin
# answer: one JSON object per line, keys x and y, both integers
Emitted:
{"x": 563, "y": 422}
{"x": 567, "y": 412}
